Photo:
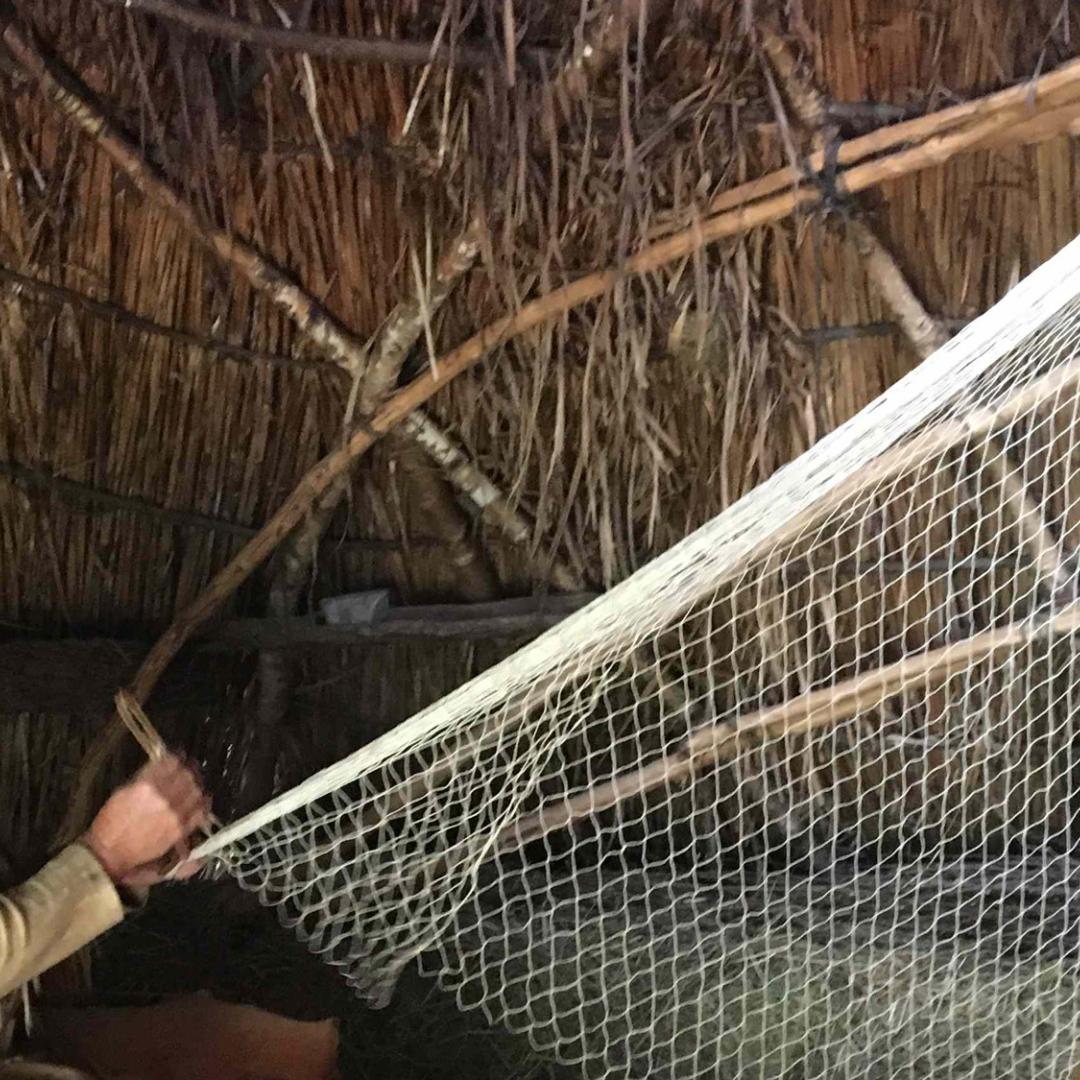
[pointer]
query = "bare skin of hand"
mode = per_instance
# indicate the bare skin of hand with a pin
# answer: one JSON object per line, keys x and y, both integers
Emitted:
{"x": 148, "y": 820}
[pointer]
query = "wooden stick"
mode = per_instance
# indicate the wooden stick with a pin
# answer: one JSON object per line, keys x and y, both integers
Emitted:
{"x": 925, "y": 334}
{"x": 138, "y": 724}
{"x": 808, "y": 712}
{"x": 89, "y": 499}
{"x": 331, "y": 46}
{"x": 490, "y": 621}
{"x": 1057, "y": 86}
{"x": 73, "y": 100}
{"x": 57, "y": 295}
{"x": 810, "y": 105}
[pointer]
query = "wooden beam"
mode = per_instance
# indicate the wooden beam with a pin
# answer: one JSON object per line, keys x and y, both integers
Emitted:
{"x": 81, "y": 677}
{"x": 825, "y": 707}
{"x": 494, "y": 621}
{"x": 89, "y": 499}
{"x": 330, "y": 46}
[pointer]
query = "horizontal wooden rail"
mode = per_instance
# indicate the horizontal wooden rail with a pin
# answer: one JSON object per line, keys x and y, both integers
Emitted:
{"x": 808, "y": 712}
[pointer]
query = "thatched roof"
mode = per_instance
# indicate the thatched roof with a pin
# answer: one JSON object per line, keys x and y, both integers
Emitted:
{"x": 159, "y": 404}
{"x": 158, "y": 408}
{"x": 612, "y": 460}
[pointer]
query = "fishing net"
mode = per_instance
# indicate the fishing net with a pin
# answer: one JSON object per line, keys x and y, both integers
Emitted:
{"x": 795, "y": 800}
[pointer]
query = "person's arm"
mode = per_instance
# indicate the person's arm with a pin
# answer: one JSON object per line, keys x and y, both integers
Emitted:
{"x": 63, "y": 907}
{"x": 76, "y": 896}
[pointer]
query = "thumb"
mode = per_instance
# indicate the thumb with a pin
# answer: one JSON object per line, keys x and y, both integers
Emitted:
{"x": 186, "y": 869}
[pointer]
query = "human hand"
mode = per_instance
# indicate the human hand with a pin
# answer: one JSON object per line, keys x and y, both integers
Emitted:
{"x": 152, "y": 816}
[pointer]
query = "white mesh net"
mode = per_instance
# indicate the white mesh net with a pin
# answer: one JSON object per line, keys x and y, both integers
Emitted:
{"x": 796, "y": 800}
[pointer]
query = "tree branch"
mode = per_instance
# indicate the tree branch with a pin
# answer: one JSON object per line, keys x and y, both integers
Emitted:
{"x": 74, "y": 100}
{"x": 402, "y": 331}
{"x": 296, "y": 556}
{"x": 826, "y": 707}
{"x": 330, "y": 46}
{"x": 492, "y": 506}
{"x": 924, "y": 332}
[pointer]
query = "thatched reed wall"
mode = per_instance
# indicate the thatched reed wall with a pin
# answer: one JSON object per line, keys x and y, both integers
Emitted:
{"x": 614, "y": 430}
{"x": 602, "y": 445}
